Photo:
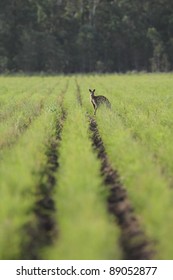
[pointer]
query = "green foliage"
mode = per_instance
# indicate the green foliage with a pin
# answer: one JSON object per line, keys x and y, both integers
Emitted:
{"x": 86, "y": 36}
{"x": 138, "y": 139}
{"x": 85, "y": 230}
{"x": 19, "y": 175}
{"x": 137, "y": 135}
{"x": 21, "y": 167}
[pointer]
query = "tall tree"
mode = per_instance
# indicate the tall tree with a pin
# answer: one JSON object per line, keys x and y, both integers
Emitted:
{"x": 86, "y": 35}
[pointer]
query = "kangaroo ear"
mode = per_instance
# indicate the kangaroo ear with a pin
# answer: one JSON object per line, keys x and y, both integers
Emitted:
{"x": 94, "y": 90}
{"x": 90, "y": 90}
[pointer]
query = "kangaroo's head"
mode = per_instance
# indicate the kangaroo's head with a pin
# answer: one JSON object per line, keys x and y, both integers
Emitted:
{"x": 92, "y": 92}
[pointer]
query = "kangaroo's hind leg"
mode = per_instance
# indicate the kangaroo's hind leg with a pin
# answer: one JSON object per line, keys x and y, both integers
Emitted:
{"x": 95, "y": 109}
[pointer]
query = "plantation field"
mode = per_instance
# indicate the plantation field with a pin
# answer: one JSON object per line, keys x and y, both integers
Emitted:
{"x": 78, "y": 186}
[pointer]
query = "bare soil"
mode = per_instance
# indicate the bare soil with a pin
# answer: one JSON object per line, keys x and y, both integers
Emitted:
{"x": 134, "y": 243}
{"x": 44, "y": 227}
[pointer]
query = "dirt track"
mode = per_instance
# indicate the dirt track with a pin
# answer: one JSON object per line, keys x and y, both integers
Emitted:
{"x": 41, "y": 231}
{"x": 133, "y": 240}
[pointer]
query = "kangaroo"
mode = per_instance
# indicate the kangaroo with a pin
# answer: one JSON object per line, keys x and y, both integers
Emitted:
{"x": 98, "y": 100}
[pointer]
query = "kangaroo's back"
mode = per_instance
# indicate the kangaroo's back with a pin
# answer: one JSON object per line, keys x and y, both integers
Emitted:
{"x": 98, "y": 100}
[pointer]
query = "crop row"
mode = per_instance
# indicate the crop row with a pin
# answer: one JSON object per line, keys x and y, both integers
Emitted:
{"x": 86, "y": 231}
{"x": 78, "y": 195}
{"x": 52, "y": 162}
{"x": 144, "y": 105}
{"x": 21, "y": 110}
{"x": 147, "y": 186}
{"x": 22, "y": 170}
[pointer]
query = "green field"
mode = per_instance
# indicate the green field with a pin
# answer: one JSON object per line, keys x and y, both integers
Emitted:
{"x": 79, "y": 186}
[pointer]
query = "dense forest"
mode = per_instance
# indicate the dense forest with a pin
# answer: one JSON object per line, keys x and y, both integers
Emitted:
{"x": 63, "y": 36}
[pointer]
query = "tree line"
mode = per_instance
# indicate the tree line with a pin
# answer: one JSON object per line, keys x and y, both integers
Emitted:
{"x": 65, "y": 36}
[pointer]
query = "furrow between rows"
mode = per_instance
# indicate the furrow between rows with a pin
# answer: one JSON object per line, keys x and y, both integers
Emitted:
{"x": 78, "y": 94}
{"x": 134, "y": 242}
{"x": 18, "y": 126}
{"x": 45, "y": 227}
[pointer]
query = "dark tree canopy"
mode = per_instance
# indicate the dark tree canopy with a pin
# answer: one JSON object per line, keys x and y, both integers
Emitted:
{"x": 64, "y": 36}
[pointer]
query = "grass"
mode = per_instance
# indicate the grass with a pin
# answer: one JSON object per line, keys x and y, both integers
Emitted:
{"x": 20, "y": 173}
{"x": 84, "y": 225}
{"x": 19, "y": 113}
{"x": 147, "y": 188}
{"x": 144, "y": 104}
{"x": 137, "y": 134}
{"x": 142, "y": 174}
